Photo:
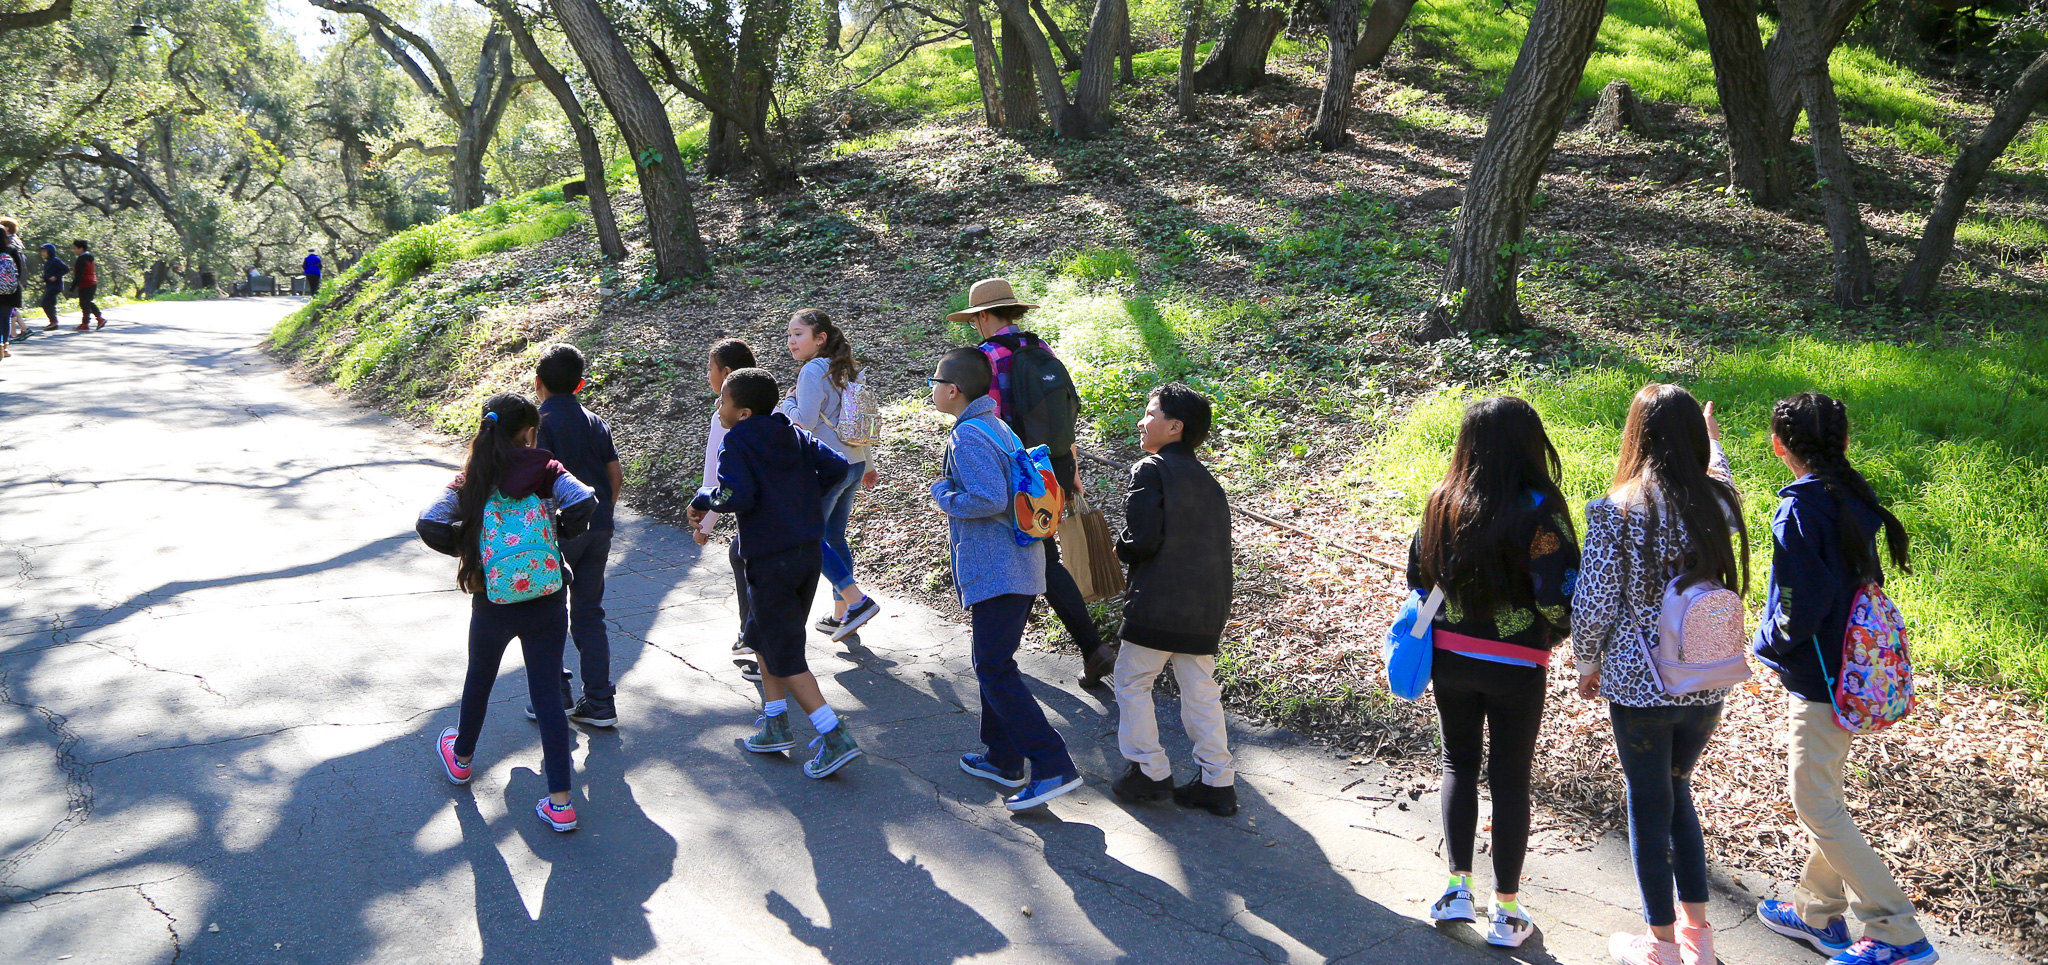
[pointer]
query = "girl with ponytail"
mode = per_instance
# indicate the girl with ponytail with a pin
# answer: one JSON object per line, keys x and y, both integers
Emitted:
{"x": 818, "y": 344}
{"x": 1824, "y": 541}
{"x": 521, "y": 502}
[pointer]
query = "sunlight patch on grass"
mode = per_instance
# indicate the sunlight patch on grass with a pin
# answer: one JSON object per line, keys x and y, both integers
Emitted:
{"x": 2016, "y": 235}
{"x": 1955, "y": 440}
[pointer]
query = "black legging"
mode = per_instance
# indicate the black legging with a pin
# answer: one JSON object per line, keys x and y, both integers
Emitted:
{"x": 50, "y": 292}
{"x": 87, "y": 308}
{"x": 1473, "y": 696}
{"x": 542, "y": 627}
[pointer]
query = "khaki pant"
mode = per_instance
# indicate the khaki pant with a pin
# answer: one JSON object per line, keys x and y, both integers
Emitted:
{"x": 1842, "y": 861}
{"x": 1201, "y": 712}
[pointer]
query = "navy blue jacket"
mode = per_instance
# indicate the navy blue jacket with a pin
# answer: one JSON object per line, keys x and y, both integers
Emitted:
{"x": 773, "y": 477}
{"x": 54, "y": 269}
{"x": 583, "y": 443}
{"x": 1811, "y": 587}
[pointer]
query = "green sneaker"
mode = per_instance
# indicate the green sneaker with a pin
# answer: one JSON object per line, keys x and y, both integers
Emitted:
{"x": 838, "y": 750}
{"x": 774, "y": 735}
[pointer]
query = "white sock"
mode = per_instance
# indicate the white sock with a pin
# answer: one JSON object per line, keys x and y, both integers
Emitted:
{"x": 774, "y": 708}
{"x": 824, "y": 719}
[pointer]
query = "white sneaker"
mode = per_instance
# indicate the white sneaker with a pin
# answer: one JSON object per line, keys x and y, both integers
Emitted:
{"x": 1508, "y": 929}
{"x": 1455, "y": 905}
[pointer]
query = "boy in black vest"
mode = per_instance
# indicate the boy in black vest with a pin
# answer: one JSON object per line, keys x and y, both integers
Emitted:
{"x": 583, "y": 444}
{"x": 993, "y": 310}
{"x": 1176, "y": 540}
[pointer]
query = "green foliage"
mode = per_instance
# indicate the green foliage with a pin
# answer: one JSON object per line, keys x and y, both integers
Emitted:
{"x": 502, "y": 225}
{"x": 1100, "y": 264}
{"x": 1350, "y": 249}
{"x": 2020, "y": 236}
{"x": 2029, "y": 151}
{"x": 1955, "y": 440}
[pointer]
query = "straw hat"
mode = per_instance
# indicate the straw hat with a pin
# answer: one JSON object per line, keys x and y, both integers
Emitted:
{"x": 986, "y": 294}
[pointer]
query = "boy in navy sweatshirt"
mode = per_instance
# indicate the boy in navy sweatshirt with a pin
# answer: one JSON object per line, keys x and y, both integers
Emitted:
{"x": 772, "y": 478}
{"x": 583, "y": 443}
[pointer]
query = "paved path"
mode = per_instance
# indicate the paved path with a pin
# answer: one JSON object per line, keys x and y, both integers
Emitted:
{"x": 224, "y": 656}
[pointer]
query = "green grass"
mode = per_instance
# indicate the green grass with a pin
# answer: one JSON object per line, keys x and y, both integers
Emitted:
{"x": 1954, "y": 439}
{"x": 2016, "y": 235}
{"x": 2029, "y": 150}
{"x": 1660, "y": 48}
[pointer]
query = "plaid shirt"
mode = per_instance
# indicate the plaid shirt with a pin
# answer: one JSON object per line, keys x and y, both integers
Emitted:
{"x": 999, "y": 363}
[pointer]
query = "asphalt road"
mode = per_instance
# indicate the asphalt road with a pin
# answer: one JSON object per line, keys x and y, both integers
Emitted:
{"x": 225, "y": 657}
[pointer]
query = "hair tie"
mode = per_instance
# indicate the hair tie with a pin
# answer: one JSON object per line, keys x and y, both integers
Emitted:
{"x": 490, "y": 417}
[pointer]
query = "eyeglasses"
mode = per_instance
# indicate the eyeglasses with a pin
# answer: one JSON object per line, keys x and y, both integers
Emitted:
{"x": 935, "y": 380}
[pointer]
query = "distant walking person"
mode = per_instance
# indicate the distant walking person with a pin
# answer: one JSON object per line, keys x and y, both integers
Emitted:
{"x": 1671, "y": 520}
{"x": 997, "y": 580}
{"x": 85, "y": 276}
{"x": 1176, "y": 540}
{"x": 312, "y": 273}
{"x": 583, "y": 443}
{"x": 1824, "y": 538}
{"x": 54, "y": 270}
{"x": 504, "y": 518}
{"x": 1497, "y": 537}
{"x": 13, "y": 275}
{"x": 1035, "y": 396}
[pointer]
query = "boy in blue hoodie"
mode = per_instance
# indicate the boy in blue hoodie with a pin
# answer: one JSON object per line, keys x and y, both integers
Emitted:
{"x": 772, "y": 478}
{"x": 997, "y": 580}
{"x": 1825, "y": 549}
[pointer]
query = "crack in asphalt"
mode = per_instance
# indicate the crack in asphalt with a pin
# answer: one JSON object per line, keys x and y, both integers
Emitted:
{"x": 77, "y": 782}
{"x": 273, "y": 733}
{"x": 170, "y": 925}
{"x": 128, "y": 654}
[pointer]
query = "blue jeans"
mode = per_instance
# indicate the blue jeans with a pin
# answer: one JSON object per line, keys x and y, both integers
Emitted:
{"x": 1013, "y": 726}
{"x": 1658, "y": 748}
{"x": 838, "y": 504}
{"x": 587, "y": 555}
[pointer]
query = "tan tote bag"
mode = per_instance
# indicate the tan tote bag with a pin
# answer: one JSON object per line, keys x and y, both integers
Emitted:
{"x": 1089, "y": 552}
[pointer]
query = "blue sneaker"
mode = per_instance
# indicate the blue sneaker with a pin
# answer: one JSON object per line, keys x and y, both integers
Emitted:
{"x": 978, "y": 765}
{"x": 1779, "y": 917}
{"x": 1040, "y": 791}
{"x": 1870, "y": 951}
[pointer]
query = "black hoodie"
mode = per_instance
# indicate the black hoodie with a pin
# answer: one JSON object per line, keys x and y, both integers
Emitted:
{"x": 773, "y": 477}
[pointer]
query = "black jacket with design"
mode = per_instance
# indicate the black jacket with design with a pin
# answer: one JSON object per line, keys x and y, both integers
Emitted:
{"x": 1176, "y": 540}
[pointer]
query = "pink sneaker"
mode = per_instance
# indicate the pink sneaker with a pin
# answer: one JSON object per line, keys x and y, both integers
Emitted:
{"x": 1696, "y": 944}
{"x": 1631, "y": 949}
{"x": 444, "y": 748}
{"x": 561, "y": 818}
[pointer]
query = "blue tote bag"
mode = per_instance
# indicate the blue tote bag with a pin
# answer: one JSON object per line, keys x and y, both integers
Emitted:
{"x": 1410, "y": 642}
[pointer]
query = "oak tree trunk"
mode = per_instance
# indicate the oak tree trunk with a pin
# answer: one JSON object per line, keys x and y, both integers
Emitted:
{"x": 1478, "y": 289}
{"x": 832, "y": 24}
{"x": 1755, "y": 167}
{"x": 601, "y": 215}
{"x": 1333, "y": 112}
{"x": 1190, "y": 39}
{"x": 1125, "y": 51}
{"x": 1781, "y": 72}
{"x": 1020, "y": 110}
{"x": 1937, "y": 241}
{"x": 643, "y": 122}
{"x": 1097, "y": 81}
{"x": 1383, "y": 25}
{"x": 985, "y": 63}
{"x": 1052, "y": 94}
{"x": 1854, "y": 279}
{"x": 1068, "y": 59}
{"x": 1238, "y": 60}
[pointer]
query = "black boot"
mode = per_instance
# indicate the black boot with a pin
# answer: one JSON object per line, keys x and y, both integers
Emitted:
{"x": 1219, "y": 801}
{"x": 1134, "y": 786}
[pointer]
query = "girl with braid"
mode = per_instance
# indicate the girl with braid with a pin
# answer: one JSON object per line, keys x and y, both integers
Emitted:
{"x": 1825, "y": 540}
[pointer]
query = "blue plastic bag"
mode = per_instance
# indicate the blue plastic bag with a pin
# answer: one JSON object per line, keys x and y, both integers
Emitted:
{"x": 1410, "y": 644}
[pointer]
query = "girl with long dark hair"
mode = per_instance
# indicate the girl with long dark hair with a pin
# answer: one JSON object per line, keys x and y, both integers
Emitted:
{"x": 504, "y": 517}
{"x": 1497, "y": 538}
{"x": 1824, "y": 549}
{"x": 813, "y": 405}
{"x": 1671, "y": 513}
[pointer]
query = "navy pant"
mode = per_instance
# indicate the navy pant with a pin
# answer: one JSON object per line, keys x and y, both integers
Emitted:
{"x": 1064, "y": 596}
{"x": 586, "y": 556}
{"x": 1658, "y": 748}
{"x": 1013, "y": 726}
{"x": 541, "y": 626}
{"x": 49, "y": 300}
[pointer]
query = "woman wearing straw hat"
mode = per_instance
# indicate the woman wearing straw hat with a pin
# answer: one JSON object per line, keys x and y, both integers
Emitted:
{"x": 993, "y": 309}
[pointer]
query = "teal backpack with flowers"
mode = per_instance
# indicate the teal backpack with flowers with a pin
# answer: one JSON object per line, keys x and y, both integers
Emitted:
{"x": 521, "y": 558}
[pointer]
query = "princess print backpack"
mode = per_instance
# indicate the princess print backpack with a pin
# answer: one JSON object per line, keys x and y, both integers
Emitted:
{"x": 1702, "y": 639}
{"x": 1876, "y": 687}
{"x": 521, "y": 559}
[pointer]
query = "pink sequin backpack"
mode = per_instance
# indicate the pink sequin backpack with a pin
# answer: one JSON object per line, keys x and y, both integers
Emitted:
{"x": 1702, "y": 640}
{"x": 1875, "y": 689}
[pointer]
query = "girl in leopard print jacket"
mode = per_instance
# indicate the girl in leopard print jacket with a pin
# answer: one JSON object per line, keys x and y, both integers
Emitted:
{"x": 1673, "y": 509}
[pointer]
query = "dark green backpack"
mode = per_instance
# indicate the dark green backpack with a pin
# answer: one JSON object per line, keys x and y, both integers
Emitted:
{"x": 1040, "y": 401}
